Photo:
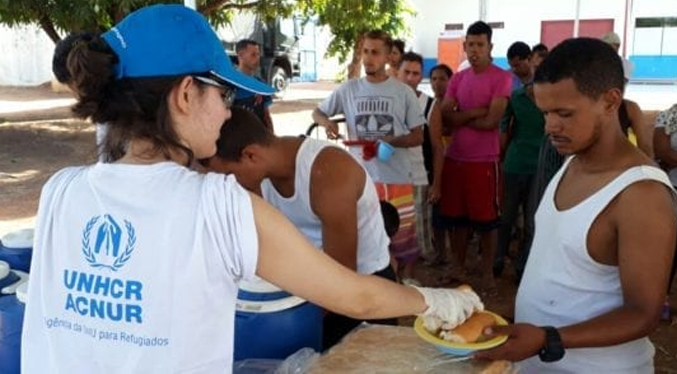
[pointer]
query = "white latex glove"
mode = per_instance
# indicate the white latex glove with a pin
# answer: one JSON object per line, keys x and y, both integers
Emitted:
{"x": 448, "y": 308}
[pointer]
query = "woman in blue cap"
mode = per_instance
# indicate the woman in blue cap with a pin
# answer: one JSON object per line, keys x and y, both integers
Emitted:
{"x": 137, "y": 261}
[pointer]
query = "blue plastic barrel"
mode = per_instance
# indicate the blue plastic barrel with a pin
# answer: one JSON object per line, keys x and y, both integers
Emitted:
{"x": 16, "y": 248}
{"x": 272, "y": 324}
{"x": 11, "y": 321}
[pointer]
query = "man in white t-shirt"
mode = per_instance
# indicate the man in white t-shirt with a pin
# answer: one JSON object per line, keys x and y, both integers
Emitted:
{"x": 320, "y": 187}
{"x": 379, "y": 108}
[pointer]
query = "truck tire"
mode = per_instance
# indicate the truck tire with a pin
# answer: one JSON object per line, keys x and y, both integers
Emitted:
{"x": 279, "y": 81}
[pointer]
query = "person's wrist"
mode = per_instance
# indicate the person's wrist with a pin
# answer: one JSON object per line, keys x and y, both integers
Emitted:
{"x": 552, "y": 348}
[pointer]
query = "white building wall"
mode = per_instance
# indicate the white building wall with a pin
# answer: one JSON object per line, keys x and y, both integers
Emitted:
{"x": 654, "y": 40}
{"x": 521, "y": 18}
{"x": 431, "y": 16}
{"x": 26, "y": 58}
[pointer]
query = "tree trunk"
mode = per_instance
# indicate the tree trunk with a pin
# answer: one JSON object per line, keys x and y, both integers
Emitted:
{"x": 47, "y": 25}
{"x": 355, "y": 65}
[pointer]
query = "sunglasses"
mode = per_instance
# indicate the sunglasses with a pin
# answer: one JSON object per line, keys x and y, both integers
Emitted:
{"x": 227, "y": 91}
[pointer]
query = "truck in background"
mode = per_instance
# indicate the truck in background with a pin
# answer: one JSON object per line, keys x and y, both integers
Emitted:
{"x": 279, "y": 40}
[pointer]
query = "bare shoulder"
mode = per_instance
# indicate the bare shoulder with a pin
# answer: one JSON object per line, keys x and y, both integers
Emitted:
{"x": 647, "y": 200}
{"x": 336, "y": 177}
{"x": 334, "y": 167}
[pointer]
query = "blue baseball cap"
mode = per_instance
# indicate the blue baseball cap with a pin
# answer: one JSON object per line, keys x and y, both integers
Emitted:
{"x": 170, "y": 40}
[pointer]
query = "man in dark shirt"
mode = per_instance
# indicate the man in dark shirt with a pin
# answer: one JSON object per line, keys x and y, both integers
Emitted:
{"x": 249, "y": 60}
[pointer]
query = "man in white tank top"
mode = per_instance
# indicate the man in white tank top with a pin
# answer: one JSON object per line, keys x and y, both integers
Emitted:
{"x": 605, "y": 230}
{"x": 320, "y": 187}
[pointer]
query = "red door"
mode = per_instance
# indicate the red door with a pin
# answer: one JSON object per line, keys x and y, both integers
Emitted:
{"x": 553, "y": 32}
{"x": 450, "y": 51}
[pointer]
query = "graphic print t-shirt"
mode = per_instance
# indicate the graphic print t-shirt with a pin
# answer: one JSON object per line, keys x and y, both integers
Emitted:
{"x": 135, "y": 270}
{"x": 375, "y": 110}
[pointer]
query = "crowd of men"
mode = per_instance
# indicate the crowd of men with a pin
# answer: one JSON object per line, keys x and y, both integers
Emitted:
{"x": 476, "y": 161}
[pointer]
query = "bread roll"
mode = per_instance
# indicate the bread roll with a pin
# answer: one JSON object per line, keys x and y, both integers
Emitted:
{"x": 470, "y": 330}
{"x": 464, "y": 287}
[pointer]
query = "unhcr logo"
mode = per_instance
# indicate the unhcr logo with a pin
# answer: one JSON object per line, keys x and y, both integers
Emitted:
{"x": 107, "y": 249}
{"x": 105, "y": 245}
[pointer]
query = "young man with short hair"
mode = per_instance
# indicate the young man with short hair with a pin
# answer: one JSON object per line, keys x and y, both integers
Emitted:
{"x": 439, "y": 80}
{"x": 379, "y": 108}
{"x": 538, "y": 53}
{"x": 521, "y": 132}
{"x": 249, "y": 61}
{"x": 519, "y": 59}
{"x": 320, "y": 187}
{"x": 475, "y": 101}
{"x": 598, "y": 269}
{"x": 410, "y": 72}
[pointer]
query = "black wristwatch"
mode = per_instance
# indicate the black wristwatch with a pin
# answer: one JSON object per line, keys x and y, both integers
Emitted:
{"x": 553, "y": 349}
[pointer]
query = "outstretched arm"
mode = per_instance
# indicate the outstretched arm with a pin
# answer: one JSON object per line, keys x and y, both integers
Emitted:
{"x": 289, "y": 261}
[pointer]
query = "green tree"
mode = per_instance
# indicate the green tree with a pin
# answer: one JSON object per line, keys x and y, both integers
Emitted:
{"x": 347, "y": 19}
{"x": 350, "y": 19}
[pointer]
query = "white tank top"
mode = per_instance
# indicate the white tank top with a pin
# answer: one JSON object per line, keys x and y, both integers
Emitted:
{"x": 372, "y": 240}
{"x": 563, "y": 285}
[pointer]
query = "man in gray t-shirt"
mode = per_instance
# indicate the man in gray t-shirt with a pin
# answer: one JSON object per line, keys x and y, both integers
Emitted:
{"x": 379, "y": 107}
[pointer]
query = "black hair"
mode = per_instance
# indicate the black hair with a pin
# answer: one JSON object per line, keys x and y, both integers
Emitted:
{"x": 241, "y": 130}
{"x": 399, "y": 44}
{"x": 61, "y": 51}
{"x": 382, "y": 36}
{"x": 391, "y": 218}
{"x": 133, "y": 108}
{"x": 539, "y": 48}
{"x": 594, "y": 66}
{"x": 480, "y": 28}
{"x": 520, "y": 50}
{"x": 411, "y": 57}
{"x": 243, "y": 44}
{"x": 444, "y": 67}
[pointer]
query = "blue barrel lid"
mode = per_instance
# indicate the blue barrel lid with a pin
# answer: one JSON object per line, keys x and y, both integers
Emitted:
{"x": 257, "y": 289}
{"x": 22, "y": 292}
{"x": 9, "y": 280}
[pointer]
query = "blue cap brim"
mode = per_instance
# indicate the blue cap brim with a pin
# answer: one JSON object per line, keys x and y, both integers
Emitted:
{"x": 245, "y": 82}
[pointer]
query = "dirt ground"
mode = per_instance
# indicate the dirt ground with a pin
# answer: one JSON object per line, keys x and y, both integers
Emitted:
{"x": 34, "y": 144}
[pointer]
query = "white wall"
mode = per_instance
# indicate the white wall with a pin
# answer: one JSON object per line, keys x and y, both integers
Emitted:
{"x": 521, "y": 18}
{"x": 654, "y": 40}
{"x": 26, "y": 58}
{"x": 427, "y": 25}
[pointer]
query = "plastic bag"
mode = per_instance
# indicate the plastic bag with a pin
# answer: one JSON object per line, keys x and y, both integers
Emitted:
{"x": 299, "y": 362}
